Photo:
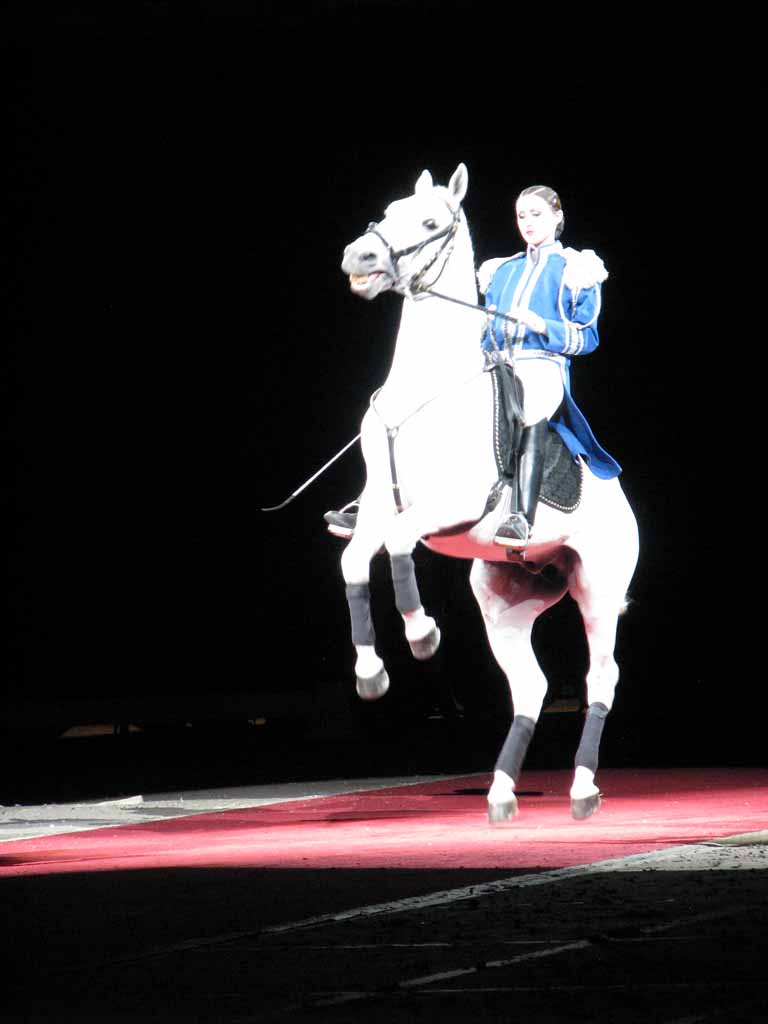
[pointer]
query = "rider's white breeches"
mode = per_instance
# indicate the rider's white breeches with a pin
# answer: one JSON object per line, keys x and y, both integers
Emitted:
{"x": 543, "y": 386}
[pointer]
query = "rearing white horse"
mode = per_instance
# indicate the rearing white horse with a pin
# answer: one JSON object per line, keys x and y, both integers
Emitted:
{"x": 429, "y": 441}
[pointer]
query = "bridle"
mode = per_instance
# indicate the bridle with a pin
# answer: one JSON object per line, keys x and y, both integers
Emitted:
{"x": 416, "y": 289}
{"x": 414, "y": 285}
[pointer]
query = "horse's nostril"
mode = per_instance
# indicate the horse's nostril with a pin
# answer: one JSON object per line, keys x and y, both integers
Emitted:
{"x": 362, "y": 257}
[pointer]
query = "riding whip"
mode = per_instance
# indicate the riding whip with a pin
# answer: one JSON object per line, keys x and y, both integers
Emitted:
{"x": 297, "y": 492}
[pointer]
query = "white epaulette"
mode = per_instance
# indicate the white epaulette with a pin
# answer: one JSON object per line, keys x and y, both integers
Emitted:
{"x": 488, "y": 268}
{"x": 583, "y": 269}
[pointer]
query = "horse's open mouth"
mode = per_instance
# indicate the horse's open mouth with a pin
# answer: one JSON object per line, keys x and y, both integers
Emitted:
{"x": 362, "y": 281}
{"x": 365, "y": 284}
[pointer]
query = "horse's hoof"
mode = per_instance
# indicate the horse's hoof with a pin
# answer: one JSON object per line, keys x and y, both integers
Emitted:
{"x": 584, "y": 806}
{"x": 425, "y": 648}
{"x": 505, "y": 811}
{"x": 373, "y": 688}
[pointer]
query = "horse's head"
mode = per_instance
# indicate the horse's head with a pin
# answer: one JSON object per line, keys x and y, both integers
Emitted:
{"x": 415, "y": 237}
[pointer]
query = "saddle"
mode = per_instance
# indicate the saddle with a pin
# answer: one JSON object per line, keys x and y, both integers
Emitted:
{"x": 562, "y": 480}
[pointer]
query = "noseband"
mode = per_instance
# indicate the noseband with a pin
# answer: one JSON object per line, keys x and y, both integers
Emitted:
{"x": 395, "y": 255}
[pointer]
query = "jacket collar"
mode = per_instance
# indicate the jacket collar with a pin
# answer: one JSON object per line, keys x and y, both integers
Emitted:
{"x": 543, "y": 251}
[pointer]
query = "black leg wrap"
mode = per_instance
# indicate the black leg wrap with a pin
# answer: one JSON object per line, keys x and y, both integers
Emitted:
{"x": 404, "y": 581}
{"x": 510, "y": 760}
{"x": 359, "y": 601}
{"x": 589, "y": 746}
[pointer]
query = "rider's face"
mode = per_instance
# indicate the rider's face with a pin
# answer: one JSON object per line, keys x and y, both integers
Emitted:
{"x": 536, "y": 220}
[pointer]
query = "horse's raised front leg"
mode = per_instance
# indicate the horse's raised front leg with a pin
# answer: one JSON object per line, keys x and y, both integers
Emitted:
{"x": 421, "y": 631}
{"x": 511, "y": 599}
{"x": 372, "y": 680}
{"x": 404, "y": 532}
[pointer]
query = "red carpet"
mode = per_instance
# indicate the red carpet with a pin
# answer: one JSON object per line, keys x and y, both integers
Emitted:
{"x": 432, "y": 825}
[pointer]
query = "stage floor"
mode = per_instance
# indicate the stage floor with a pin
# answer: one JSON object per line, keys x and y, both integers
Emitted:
{"x": 418, "y": 822}
{"x": 394, "y": 899}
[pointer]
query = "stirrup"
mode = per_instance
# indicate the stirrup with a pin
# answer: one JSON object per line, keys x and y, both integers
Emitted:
{"x": 342, "y": 523}
{"x": 514, "y": 532}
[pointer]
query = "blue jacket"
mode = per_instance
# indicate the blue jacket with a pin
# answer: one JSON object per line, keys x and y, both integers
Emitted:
{"x": 563, "y": 287}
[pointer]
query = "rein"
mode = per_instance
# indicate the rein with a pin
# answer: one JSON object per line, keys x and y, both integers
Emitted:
{"x": 489, "y": 311}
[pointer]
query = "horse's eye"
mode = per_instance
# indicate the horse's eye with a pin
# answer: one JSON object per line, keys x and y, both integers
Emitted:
{"x": 430, "y": 224}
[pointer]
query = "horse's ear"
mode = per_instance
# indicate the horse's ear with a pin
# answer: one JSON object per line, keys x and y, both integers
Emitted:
{"x": 457, "y": 186}
{"x": 424, "y": 183}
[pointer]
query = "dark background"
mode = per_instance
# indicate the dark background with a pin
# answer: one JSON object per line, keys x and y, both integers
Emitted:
{"x": 182, "y": 348}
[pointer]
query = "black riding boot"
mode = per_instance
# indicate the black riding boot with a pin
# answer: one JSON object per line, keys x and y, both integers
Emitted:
{"x": 515, "y": 531}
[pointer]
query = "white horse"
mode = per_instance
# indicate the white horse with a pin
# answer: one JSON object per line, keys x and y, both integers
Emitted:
{"x": 428, "y": 443}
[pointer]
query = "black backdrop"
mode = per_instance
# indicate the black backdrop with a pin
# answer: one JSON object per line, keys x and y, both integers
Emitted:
{"x": 183, "y": 350}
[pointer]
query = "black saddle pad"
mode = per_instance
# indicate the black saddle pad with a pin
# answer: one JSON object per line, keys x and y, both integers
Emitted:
{"x": 561, "y": 486}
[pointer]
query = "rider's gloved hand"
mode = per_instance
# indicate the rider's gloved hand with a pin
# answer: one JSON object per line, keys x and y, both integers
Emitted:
{"x": 529, "y": 318}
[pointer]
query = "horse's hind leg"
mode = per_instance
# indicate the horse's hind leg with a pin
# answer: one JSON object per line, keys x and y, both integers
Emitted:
{"x": 585, "y": 795}
{"x": 511, "y": 599}
{"x": 502, "y": 801}
{"x": 600, "y": 621}
{"x": 601, "y": 599}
